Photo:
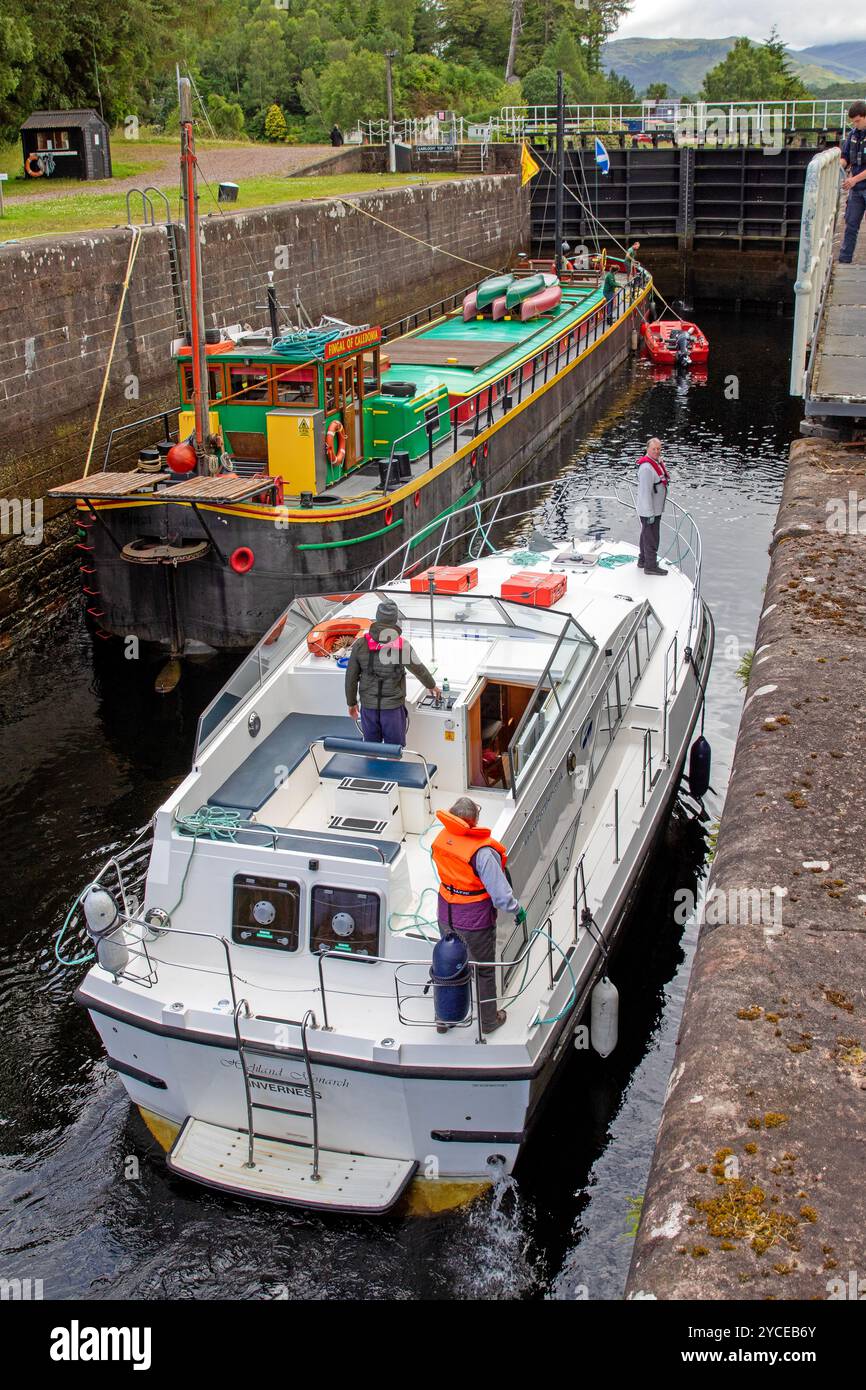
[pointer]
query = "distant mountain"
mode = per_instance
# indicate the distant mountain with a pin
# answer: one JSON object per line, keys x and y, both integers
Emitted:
{"x": 682, "y": 63}
{"x": 844, "y": 59}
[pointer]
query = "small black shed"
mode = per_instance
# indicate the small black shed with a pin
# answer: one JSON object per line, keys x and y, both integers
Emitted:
{"x": 66, "y": 144}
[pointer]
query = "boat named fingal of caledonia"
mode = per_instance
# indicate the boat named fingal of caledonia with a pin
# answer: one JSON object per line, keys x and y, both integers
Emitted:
{"x": 266, "y": 981}
{"x": 304, "y": 452}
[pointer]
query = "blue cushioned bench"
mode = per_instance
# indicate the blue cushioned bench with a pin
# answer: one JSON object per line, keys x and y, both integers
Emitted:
{"x": 252, "y": 784}
{"x": 408, "y": 774}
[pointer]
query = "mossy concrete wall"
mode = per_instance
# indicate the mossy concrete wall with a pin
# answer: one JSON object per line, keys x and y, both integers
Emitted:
{"x": 756, "y": 1189}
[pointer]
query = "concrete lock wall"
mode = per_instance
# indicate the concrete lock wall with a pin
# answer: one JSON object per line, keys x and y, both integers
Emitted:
{"x": 59, "y": 298}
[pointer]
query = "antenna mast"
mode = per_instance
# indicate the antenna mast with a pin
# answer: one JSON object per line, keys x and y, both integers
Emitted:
{"x": 189, "y": 186}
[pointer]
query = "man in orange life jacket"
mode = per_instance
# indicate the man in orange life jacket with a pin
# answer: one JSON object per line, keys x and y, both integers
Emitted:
{"x": 472, "y": 887}
{"x": 652, "y": 494}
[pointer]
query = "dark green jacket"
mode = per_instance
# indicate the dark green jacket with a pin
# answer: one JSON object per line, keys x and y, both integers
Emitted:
{"x": 379, "y": 677}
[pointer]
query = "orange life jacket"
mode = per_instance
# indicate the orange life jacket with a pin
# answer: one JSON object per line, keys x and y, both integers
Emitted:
{"x": 453, "y": 850}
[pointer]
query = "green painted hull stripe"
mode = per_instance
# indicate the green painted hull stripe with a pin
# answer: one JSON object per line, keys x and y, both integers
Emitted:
{"x": 356, "y": 540}
{"x": 372, "y": 535}
{"x": 461, "y": 502}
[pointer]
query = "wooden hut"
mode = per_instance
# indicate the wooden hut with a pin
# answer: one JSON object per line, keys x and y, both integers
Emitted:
{"x": 66, "y": 144}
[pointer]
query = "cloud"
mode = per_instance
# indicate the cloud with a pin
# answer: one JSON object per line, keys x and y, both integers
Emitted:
{"x": 800, "y": 22}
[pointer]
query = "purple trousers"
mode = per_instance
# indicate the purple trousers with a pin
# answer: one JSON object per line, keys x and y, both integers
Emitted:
{"x": 385, "y": 725}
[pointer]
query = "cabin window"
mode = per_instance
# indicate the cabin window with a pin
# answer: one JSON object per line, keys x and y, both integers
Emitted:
{"x": 296, "y": 385}
{"x": 249, "y": 385}
{"x": 266, "y": 912}
{"x": 214, "y": 383}
{"x": 344, "y": 920}
{"x": 333, "y": 382}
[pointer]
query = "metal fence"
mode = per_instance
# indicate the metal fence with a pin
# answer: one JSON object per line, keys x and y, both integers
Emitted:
{"x": 817, "y": 226}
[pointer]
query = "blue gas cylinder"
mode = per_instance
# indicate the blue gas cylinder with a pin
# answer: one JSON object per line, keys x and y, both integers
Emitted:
{"x": 699, "y": 768}
{"x": 450, "y": 975}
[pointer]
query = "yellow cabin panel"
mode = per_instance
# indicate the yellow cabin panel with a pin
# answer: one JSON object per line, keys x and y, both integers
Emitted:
{"x": 296, "y": 449}
{"x": 186, "y": 423}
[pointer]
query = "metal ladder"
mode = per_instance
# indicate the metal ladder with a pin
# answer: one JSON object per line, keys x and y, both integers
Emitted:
{"x": 175, "y": 269}
{"x": 242, "y": 1008}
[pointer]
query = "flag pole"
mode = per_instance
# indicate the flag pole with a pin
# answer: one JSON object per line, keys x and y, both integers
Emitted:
{"x": 560, "y": 169}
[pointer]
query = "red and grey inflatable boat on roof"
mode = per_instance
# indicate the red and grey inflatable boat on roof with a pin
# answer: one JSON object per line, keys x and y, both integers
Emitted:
{"x": 661, "y": 339}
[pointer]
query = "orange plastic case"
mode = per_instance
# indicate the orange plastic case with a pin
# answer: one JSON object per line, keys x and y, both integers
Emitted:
{"x": 539, "y": 590}
{"x": 447, "y": 579}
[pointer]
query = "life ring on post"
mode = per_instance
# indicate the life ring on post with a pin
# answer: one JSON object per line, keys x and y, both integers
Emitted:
{"x": 334, "y": 634}
{"x": 336, "y": 430}
{"x": 28, "y": 169}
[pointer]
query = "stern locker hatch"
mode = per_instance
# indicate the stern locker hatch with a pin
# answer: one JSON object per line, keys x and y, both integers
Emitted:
{"x": 368, "y": 805}
{"x": 282, "y": 1171}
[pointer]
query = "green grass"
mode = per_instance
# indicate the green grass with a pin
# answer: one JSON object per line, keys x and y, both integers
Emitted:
{"x": 89, "y": 208}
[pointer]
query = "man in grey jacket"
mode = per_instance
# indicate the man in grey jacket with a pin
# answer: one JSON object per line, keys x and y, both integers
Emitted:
{"x": 376, "y": 678}
{"x": 652, "y": 494}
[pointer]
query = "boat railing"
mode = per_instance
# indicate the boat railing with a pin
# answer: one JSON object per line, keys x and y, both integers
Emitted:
{"x": 479, "y": 410}
{"x": 118, "y": 430}
{"x": 141, "y": 930}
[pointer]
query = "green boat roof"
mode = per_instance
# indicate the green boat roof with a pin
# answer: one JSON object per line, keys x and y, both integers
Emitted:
{"x": 517, "y": 338}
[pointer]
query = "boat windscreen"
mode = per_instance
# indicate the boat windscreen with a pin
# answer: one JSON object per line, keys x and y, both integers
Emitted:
{"x": 551, "y": 698}
{"x": 277, "y": 644}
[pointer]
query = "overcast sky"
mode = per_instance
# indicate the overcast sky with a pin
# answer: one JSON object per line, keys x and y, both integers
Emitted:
{"x": 801, "y": 23}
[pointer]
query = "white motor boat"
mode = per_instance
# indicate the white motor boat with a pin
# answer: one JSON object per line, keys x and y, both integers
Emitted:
{"x": 263, "y": 990}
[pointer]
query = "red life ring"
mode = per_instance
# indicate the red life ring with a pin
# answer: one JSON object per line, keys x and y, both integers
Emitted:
{"x": 336, "y": 430}
{"x": 38, "y": 171}
{"x": 323, "y": 639}
{"x": 389, "y": 515}
{"x": 242, "y": 559}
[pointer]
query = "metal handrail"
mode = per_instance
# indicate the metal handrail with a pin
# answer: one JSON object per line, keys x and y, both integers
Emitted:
{"x": 815, "y": 261}
{"x": 595, "y": 319}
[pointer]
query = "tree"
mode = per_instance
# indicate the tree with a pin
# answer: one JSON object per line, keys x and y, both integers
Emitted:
{"x": 275, "y": 124}
{"x": 620, "y": 90}
{"x": 226, "y": 117}
{"x": 539, "y": 87}
{"x": 657, "y": 91}
{"x": 516, "y": 26}
{"x": 752, "y": 72}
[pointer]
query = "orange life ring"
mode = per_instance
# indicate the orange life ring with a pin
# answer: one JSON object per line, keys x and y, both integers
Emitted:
{"x": 34, "y": 173}
{"x": 336, "y": 430}
{"x": 324, "y": 639}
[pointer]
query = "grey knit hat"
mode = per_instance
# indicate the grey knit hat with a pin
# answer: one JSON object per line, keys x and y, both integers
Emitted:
{"x": 388, "y": 612}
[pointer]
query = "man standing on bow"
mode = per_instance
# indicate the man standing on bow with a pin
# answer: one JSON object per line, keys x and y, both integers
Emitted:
{"x": 652, "y": 494}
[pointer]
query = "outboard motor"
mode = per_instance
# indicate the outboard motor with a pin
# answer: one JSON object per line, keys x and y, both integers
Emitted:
{"x": 699, "y": 768}
{"x": 449, "y": 974}
{"x": 683, "y": 353}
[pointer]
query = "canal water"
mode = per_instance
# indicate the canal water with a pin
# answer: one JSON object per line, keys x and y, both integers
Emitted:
{"x": 87, "y": 752}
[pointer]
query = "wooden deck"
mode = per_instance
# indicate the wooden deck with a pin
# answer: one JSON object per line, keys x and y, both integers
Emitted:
{"x": 107, "y": 485}
{"x": 225, "y": 487}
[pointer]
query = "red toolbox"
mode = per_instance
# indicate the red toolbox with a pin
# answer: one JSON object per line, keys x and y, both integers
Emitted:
{"x": 447, "y": 579}
{"x": 540, "y": 590}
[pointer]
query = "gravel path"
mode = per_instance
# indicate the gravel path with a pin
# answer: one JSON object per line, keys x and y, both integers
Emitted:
{"x": 217, "y": 162}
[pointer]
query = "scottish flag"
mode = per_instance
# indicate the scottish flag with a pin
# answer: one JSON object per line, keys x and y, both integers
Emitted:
{"x": 602, "y": 158}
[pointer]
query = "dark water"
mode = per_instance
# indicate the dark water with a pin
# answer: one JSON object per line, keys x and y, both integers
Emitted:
{"x": 88, "y": 751}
